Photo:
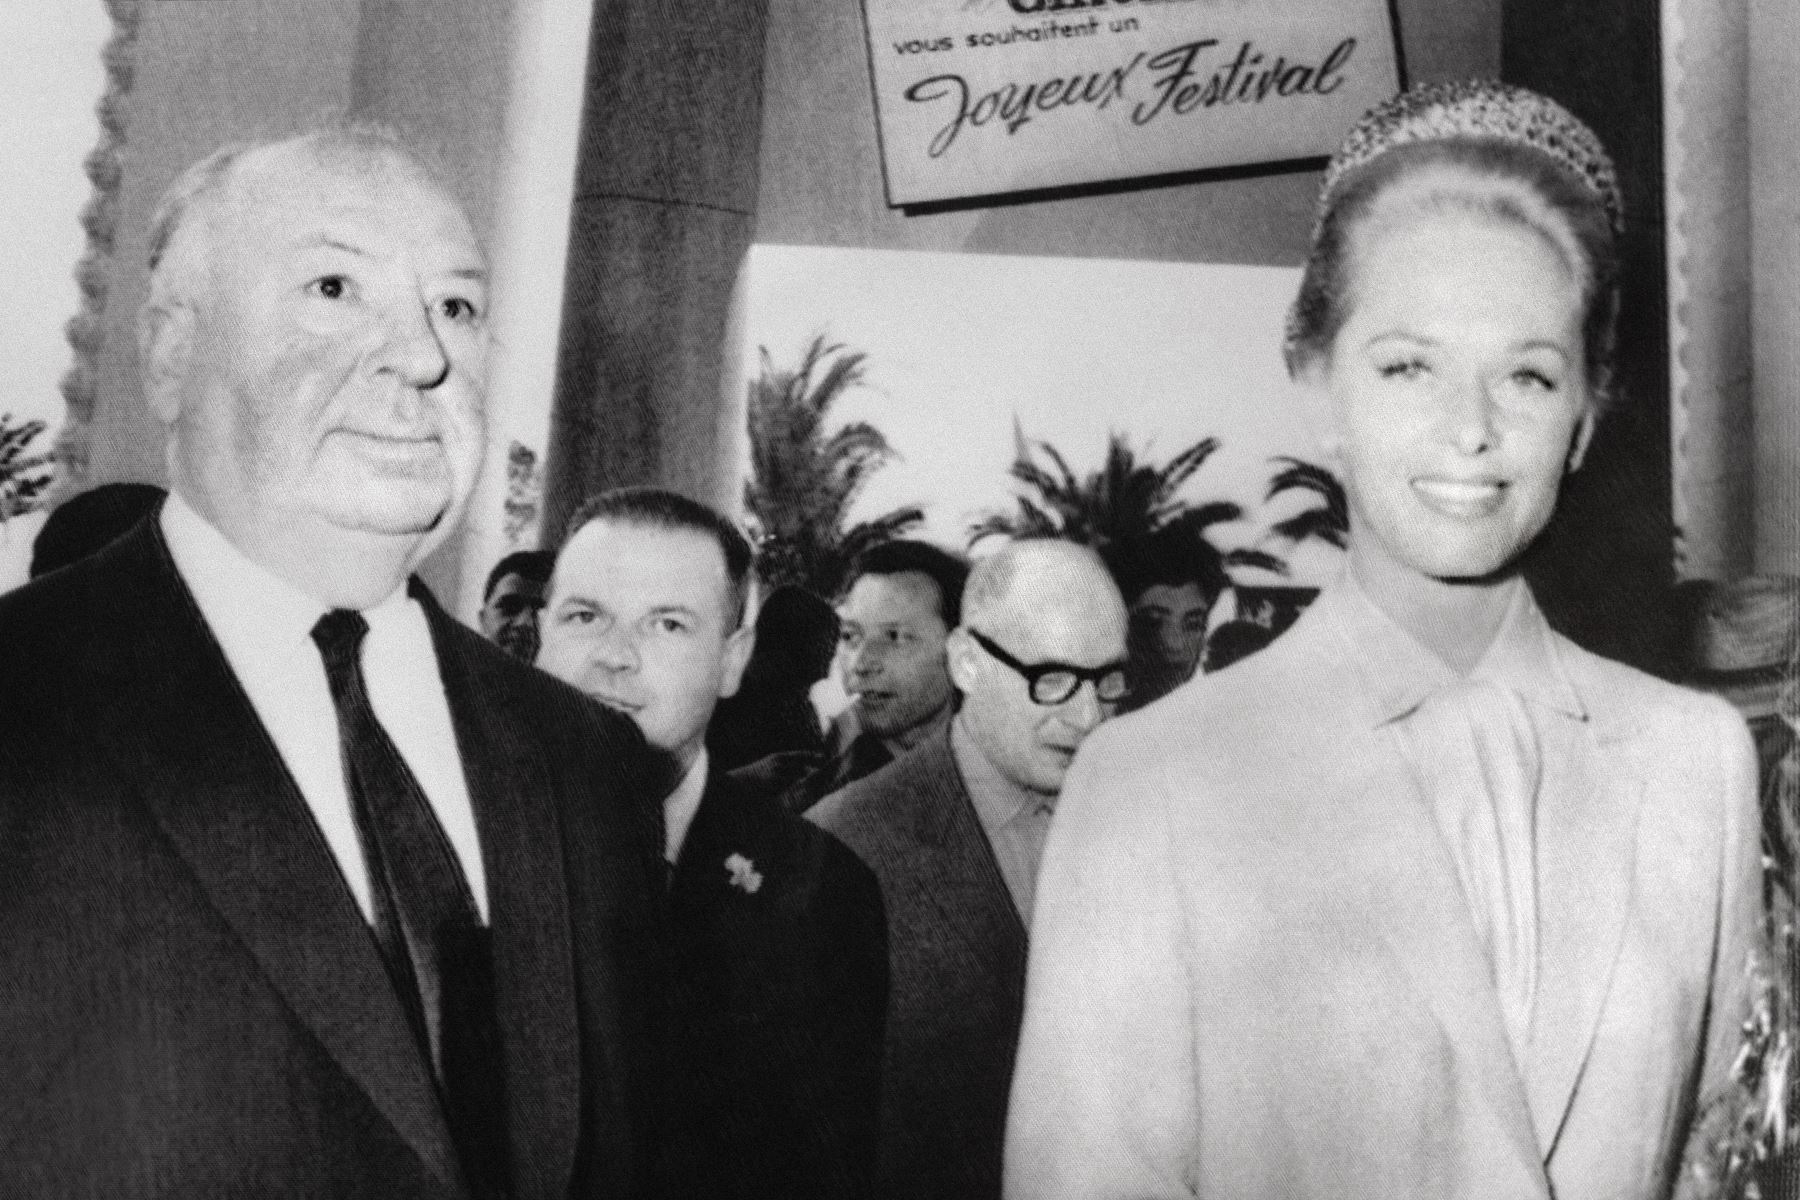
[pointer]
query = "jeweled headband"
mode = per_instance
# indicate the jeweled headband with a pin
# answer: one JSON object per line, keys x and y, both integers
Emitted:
{"x": 1483, "y": 109}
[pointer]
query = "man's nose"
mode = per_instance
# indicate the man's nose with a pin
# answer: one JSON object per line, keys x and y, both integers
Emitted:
{"x": 412, "y": 349}
{"x": 615, "y": 649}
{"x": 1083, "y": 711}
{"x": 866, "y": 659}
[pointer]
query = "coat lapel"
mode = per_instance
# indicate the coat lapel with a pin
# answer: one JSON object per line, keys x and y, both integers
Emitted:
{"x": 1380, "y": 839}
{"x": 1412, "y": 885}
{"x": 181, "y": 727}
{"x": 521, "y": 849}
{"x": 959, "y": 872}
{"x": 1585, "y": 858}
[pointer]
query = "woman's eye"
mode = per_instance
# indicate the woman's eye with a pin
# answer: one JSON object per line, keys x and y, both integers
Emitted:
{"x": 1530, "y": 377}
{"x": 329, "y": 287}
{"x": 1405, "y": 369}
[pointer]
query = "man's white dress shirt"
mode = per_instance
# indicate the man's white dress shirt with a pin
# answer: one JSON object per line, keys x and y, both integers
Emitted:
{"x": 264, "y": 625}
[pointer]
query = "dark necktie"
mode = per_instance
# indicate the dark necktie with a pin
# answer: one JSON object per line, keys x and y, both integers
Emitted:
{"x": 426, "y": 926}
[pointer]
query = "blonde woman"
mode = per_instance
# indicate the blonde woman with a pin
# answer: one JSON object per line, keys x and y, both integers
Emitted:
{"x": 1423, "y": 900}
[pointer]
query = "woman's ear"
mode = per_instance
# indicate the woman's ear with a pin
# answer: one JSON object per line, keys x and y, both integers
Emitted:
{"x": 1312, "y": 387}
{"x": 1581, "y": 439}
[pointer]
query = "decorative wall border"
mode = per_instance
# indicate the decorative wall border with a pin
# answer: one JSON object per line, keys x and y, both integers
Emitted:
{"x": 105, "y": 169}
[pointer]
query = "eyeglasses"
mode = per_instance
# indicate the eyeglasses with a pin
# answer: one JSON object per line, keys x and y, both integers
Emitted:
{"x": 1055, "y": 682}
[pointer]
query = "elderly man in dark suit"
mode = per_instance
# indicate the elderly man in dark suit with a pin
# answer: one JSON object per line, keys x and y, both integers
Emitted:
{"x": 953, "y": 830}
{"x": 305, "y": 889}
{"x": 779, "y": 943}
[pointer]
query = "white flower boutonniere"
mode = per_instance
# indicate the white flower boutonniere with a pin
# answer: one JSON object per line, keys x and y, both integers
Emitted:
{"x": 744, "y": 874}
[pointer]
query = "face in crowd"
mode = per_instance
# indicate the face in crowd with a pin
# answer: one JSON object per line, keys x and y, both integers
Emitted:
{"x": 1168, "y": 633}
{"x": 509, "y": 617}
{"x": 1459, "y": 386}
{"x": 646, "y": 620}
{"x": 1052, "y": 609}
{"x": 317, "y": 343}
{"x": 891, "y": 652}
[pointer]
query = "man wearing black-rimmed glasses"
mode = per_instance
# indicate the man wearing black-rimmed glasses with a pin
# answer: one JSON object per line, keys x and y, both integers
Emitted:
{"x": 953, "y": 830}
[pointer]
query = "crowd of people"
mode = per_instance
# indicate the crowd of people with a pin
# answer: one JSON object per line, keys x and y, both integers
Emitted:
{"x": 309, "y": 890}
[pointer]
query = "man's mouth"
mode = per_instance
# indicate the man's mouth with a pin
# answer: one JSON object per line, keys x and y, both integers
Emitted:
{"x": 617, "y": 704}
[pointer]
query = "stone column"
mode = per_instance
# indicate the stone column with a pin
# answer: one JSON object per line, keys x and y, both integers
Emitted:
{"x": 664, "y": 210}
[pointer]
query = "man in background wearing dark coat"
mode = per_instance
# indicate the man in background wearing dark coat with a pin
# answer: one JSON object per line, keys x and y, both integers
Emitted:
{"x": 305, "y": 889}
{"x": 779, "y": 943}
{"x": 953, "y": 830}
{"x": 900, "y": 601}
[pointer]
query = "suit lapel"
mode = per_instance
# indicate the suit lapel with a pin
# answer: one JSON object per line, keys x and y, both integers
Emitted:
{"x": 182, "y": 728}
{"x": 521, "y": 850}
{"x": 1585, "y": 858}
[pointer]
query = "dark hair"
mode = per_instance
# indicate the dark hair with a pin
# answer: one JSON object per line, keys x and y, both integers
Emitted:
{"x": 1232, "y": 641}
{"x": 948, "y": 571}
{"x": 1325, "y": 295}
{"x": 659, "y": 508}
{"x": 1173, "y": 556}
{"x": 90, "y": 521}
{"x": 531, "y": 565}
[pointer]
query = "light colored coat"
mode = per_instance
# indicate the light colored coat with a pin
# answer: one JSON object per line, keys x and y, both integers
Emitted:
{"x": 1253, "y": 975}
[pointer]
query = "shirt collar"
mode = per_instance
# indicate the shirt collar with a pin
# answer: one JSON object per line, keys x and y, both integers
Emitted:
{"x": 1400, "y": 673}
{"x": 998, "y": 800}
{"x": 232, "y": 589}
{"x": 680, "y": 805}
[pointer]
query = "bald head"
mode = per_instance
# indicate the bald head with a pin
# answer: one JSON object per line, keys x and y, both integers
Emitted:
{"x": 1040, "y": 603}
{"x": 1034, "y": 581}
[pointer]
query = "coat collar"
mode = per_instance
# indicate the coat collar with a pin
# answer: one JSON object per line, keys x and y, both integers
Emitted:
{"x": 1585, "y": 845}
{"x": 1398, "y": 673}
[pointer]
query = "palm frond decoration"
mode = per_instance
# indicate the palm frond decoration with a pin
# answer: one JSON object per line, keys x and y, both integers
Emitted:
{"x": 1329, "y": 520}
{"x": 25, "y": 478}
{"x": 1125, "y": 500}
{"x": 804, "y": 480}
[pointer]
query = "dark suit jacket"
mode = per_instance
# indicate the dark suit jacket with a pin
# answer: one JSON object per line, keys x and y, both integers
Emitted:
{"x": 781, "y": 993}
{"x": 191, "y": 1003}
{"x": 956, "y": 950}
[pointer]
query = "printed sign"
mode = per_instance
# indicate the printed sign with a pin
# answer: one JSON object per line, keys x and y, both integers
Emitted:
{"x": 989, "y": 97}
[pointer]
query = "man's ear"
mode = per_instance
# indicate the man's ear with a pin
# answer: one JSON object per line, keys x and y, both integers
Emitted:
{"x": 1584, "y": 435}
{"x": 165, "y": 335}
{"x": 739, "y": 646}
{"x": 960, "y": 654}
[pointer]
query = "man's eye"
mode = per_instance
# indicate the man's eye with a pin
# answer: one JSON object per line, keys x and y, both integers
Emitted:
{"x": 671, "y": 625}
{"x": 329, "y": 287}
{"x": 459, "y": 309}
{"x": 898, "y": 637}
{"x": 1405, "y": 369}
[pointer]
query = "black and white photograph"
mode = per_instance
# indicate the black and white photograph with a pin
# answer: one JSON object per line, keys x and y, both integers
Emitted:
{"x": 900, "y": 599}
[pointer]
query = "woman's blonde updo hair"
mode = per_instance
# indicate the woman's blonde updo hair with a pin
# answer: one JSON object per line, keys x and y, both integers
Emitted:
{"x": 1477, "y": 147}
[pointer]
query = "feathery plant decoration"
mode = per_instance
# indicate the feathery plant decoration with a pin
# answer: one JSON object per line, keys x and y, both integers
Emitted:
{"x": 1750, "y": 1132}
{"x": 24, "y": 478}
{"x": 1329, "y": 520}
{"x": 1123, "y": 503}
{"x": 803, "y": 479}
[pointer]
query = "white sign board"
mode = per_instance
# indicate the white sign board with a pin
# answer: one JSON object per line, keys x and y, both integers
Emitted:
{"x": 993, "y": 97}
